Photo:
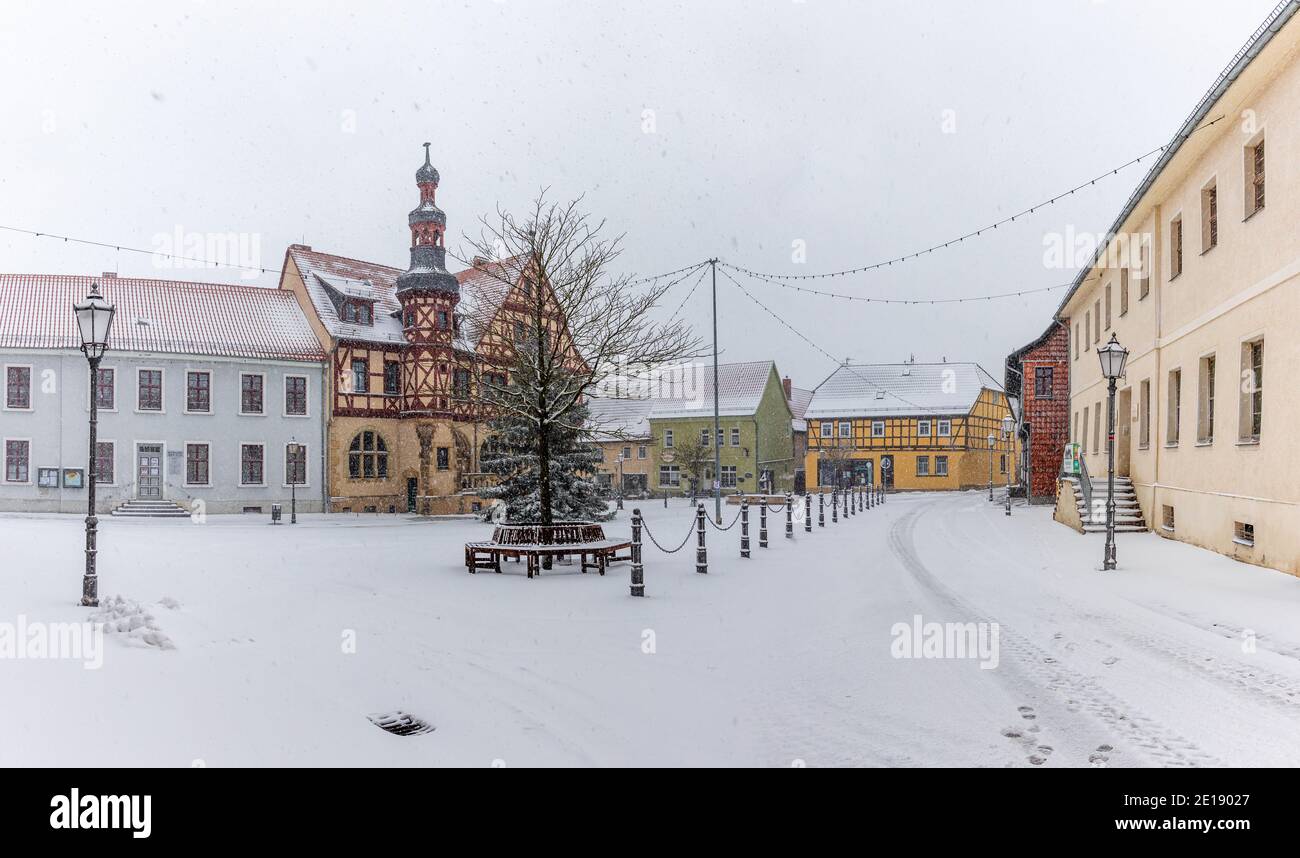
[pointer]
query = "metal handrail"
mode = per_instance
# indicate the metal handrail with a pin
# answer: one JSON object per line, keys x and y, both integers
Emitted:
{"x": 1085, "y": 484}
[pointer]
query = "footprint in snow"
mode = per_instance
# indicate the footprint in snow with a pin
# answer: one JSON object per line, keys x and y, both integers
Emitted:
{"x": 1036, "y": 760}
{"x": 1109, "y": 660}
{"x": 1026, "y": 712}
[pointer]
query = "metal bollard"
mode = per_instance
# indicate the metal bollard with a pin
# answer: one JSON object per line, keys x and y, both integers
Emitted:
{"x": 638, "y": 570}
{"x": 789, "y": 515}
{"x": 866, "y": 491}
{"x": 821, "y": 508}
{"x": 762, "y": 522}
{"x": 701, "y": 554}
{"x": 835, "y": 504}
{"x": 744, "y": 527}
{"x": 807, "y": 512}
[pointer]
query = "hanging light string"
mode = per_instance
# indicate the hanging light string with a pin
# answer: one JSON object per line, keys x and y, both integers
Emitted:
{"x": 694, "y": 286}
{"x": 978, "y": 232}
{"x": 841, "y": 363}
{"x": 872, "y": 300}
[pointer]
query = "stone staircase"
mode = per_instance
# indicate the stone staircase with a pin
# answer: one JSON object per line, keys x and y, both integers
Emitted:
{"x": 151, "y": 509}
{"x": 1128, "y": 515}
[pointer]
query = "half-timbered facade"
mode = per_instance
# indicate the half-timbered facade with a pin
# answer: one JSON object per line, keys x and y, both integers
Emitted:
{"x": 411, "y": 353}
{"x": 909, "y": 426}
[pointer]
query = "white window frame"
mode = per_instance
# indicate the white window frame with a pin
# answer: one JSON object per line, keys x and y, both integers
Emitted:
{"x": 945, "y": 428}
{"x": 668, "y": 439}
{"x": 735, "y": 436}
{"x": 735, "y": 474}
{"x": 185, "y": 462}
{"x": 877, "y": 428}
{"x": 706, "y": 437}
{"x": 31, "y": 388}
{"x": 844, "y": 429}
{"x": 944, "y": 461}
{"x": 923, "y": 428}
{"x": 240, "y": 462}
{"x": 284, "y": 465}
{"x": 641, "y": 451}
{"x": 262, "y": 413}
{"x": 284, "y": 395}
{"x": 826, "y": 429}
{"x": 162, "y": 389}
{"x": 185, "y": 402}
{"x": 4, "y": 454}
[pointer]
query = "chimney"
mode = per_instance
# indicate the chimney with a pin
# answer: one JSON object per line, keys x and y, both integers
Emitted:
{"x": 785, "y": 385}
{"x": 108, "y": 275}
{"x": 478, "y": 262}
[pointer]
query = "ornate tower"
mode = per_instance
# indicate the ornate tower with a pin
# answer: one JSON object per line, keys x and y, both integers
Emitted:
{"x": 428, "y": 294}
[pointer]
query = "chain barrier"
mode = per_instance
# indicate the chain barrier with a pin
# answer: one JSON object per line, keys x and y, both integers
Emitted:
{"x": 689, "y": 534}
{"x": 721, "y": 529}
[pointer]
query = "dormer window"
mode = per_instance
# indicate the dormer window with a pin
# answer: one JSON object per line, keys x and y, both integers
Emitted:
{"x": 408, "y": 319}
{"x": 358, "y": 312}
{"x": 444, "y": 320}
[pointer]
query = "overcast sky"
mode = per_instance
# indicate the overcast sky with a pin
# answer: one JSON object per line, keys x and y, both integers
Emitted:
{"x": 864, "y": 130}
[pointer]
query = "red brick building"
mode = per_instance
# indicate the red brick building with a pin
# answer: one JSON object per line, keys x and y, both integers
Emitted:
{"x": 1039, "y": 376}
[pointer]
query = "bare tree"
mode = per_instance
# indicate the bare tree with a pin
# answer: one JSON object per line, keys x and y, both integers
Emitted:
{"x": 692, "y": 456}
{"x": 560, "y": 323}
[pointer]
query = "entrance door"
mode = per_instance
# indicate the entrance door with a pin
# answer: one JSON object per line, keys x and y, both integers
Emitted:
{"x": 412, "y": 490}
{"x": 148, "y": 479}
{"x": 887, "y": 470}
{"x": 1123, "y": 431}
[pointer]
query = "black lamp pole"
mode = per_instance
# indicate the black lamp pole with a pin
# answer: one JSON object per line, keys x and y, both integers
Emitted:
{"x": 94, "y": 318}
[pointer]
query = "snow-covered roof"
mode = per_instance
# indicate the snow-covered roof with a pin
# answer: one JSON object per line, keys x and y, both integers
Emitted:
{"x": 799, "y": 399}
{"x": 613, "y": 418}
{"x": 329, "y": 278}
{"x": 172, "y": 316}
{"x": 892, "y": 389}
{"x": 740, "y": 391}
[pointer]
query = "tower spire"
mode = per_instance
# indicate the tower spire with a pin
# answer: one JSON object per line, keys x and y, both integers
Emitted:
{"x": 428, "y": 271}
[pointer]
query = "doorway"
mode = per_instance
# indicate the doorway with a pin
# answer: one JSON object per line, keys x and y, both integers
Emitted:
{"x": 1123, "y": 431}
{"x": 887, "y": 470}
{"x": 412, "y": 490}
{"x": 148, "y": 471}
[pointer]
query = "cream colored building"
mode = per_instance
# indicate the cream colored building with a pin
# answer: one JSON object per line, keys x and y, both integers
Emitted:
{"x": 1200, "y": 280}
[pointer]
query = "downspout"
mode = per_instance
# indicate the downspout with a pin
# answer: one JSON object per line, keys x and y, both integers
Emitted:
{"x": 1156, "y": 255}
{"x": 327, "y": 418}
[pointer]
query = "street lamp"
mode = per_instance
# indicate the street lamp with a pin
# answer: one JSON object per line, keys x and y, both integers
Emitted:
{"x": 1113, "y": 356}
{"x": 992, "y": 439}
{"x": 94, "y": 321}
{"x": 294, "y": 477}
{"x": 1008, "y": 434}
{"x": 620, "y": 480}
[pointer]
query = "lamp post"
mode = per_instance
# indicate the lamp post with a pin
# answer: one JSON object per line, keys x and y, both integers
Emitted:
{"x": 620, "y": 480}
{"x": 94, "y": 321}
{"x": 294, "y": 476}
{"x": 1113, "y": 356}
{"x": 1008, "y": 433}
{"x": 992, "y": 439}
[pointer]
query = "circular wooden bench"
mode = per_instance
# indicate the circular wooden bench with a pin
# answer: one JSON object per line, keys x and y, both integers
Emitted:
{"x": 532, "y": 542}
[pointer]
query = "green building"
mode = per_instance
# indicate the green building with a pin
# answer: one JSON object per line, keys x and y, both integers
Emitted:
{"x": 755, "y": 435}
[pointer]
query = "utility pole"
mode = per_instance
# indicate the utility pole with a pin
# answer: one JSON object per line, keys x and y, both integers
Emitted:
{"x": 717, "y": 424}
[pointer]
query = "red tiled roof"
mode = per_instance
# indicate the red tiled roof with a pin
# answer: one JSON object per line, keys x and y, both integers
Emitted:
{"x": 171, "y": 316}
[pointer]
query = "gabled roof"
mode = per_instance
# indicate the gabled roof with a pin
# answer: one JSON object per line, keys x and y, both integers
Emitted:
{"x": 799, "y": 399}
{"x": 483, "y": 289}
{"x": 614, "y": 419}
{"x": 740, "y": 391}
{"x": 171, "y": 316}
{"x": 897, "y": 389}
{"x": 1013, "y": 380}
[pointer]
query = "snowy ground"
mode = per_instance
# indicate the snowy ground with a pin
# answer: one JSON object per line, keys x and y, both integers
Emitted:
{"x": 780, "y": 660}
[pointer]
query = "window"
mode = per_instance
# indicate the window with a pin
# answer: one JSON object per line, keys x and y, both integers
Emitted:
{"x": 519, "y": 332}
{"x": 1123, "y": 292}
{"x": 408, "y": 318}
{"x": 826, "y": 429}
{"x": 1076, "y": 340}
{"x": 877, "y": 428}
{"x": 1205, "y": 402}
{"x": 1043, "y": 382}
{"x": 728, "y": 476}
{"x": 1243, "y": 533}
{"x": 735, "y": 437}
{"x": 196, "y": 465}
{"x": 1176, "y": 247}
{"x": 198, "y": 392}
{"x": 392, "y": 378}
{"x": 444, "y": 458}
{"x": 360, "y": 376}
{"x": 1087, "y": 328}
{"x": 627, "y": 452}
{"x": 444, "y": 321}
{"x": 149, "y": 388}
{"x": 720, "y": 441}
{"x": 670, "y": 476}
{"x": 1083, "y": 442}
{"x": 250, "y": 393}
{"x": 1167, "y": 517}
{"x": 668, "y": 438}
{"x": 1254, "y": 177}
{"x": 295, "y": 395}
{"x": 250, "y": 465}
{"x": 923, "y": 428}
{"x": 1209, "y": 217}
{"x": 460, "y": 383}
{"x": 941, "y": 466}
{"x": 846, "y": 429}
{"x": 295, "y": 464}
{"x": 1251, "y": 419}
{"x": 1096, "y": 428}
{"x": 1074, "y": 436}
{"x": 1144, "y": 281}
{"x": 368, "y": 457}
{"x": 106, "y": 389}
{"x": 1108, "y": 319}
{"x": 1144, "y": 414}
{"x": 923, "y": 466}
{"x": 358, "y": 312}
{"x": 1096, "y": 317}
{"x": 1175, "y": 402}
{"x": 105, "y": 460}
{"x": 945, "y": 428}
{"x": 641, "y": 451}
{"x": 704, "y": 437}
{"x": 18, "y": 387}
{"x": 18, "y": 456}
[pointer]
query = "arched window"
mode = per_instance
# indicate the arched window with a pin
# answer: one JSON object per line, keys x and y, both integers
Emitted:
{"x": 368, "y": 457}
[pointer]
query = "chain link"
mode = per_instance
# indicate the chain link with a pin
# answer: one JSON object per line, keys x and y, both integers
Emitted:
{"x": 645, "y": 527}
{"x": 723, "y": 529}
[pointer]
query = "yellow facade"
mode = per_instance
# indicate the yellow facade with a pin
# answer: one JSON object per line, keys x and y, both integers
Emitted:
{"x": 951, "y": 452}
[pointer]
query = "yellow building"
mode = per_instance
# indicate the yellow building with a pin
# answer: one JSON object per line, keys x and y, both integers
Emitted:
{"x": 621, "y": 428}
{"x": 1201, "y": 283}
{"x": 913, "y": 426}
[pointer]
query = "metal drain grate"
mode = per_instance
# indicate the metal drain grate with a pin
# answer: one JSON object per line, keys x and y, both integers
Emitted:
{"x": 401, "y": 724}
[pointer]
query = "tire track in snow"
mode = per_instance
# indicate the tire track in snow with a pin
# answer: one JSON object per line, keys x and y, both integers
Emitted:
{"x": 1076, "y": 691}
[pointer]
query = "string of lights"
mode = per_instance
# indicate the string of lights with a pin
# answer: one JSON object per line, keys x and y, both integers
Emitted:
{"x": 886, "y": 263}
{"x": 872, "y": 300}
{"x": 694, "y": 286}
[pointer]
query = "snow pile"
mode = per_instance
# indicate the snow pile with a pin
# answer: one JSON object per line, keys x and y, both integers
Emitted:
{"x": 132, "y": 622}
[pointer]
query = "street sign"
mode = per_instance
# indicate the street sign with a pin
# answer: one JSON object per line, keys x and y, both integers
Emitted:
{"x": 885, "y": 464}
